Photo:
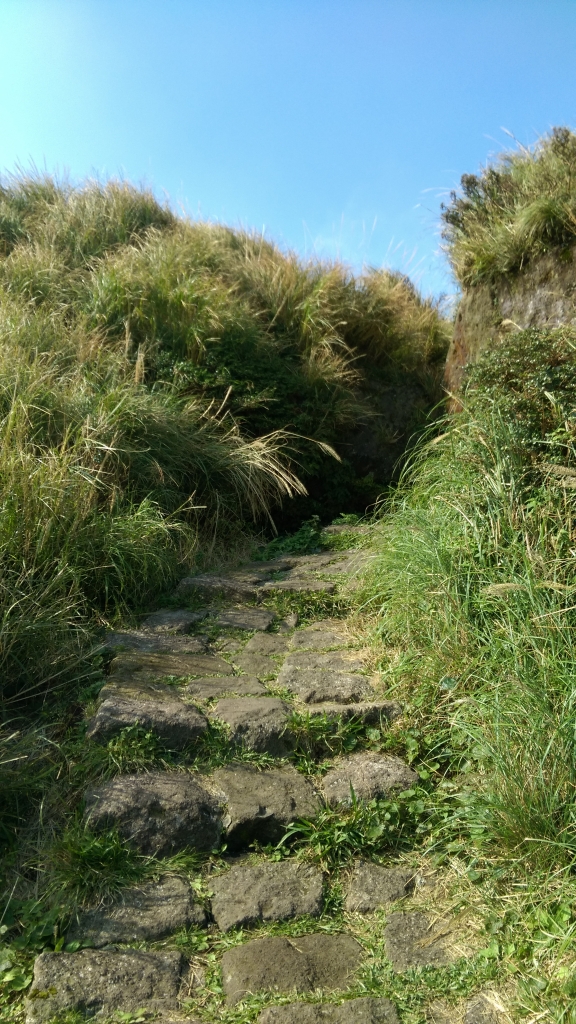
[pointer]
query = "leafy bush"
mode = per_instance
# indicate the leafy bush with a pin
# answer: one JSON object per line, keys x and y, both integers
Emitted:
{"x": 520, "y": 207}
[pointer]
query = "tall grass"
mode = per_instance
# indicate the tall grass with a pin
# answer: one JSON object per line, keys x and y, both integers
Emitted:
{"x": 521, "y": 206}
{"x": 475, "y": 582}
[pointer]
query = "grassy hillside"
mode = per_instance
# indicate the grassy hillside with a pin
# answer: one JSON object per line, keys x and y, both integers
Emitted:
{"x": 165, "y": 387}
{"x": 517, "y": 208}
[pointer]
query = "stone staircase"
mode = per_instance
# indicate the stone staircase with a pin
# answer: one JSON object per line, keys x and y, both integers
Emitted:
{"x": 176, "y": 683}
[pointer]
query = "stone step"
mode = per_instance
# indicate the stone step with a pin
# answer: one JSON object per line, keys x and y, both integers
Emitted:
{"x": 371, "y": 886}
{"x": 216, "y": 687}
{"x": 299, "y": 585}
{"x": 366, "y": 1010}
{"x": 266, "y": 643}
{"x": 281, "y": 964}
{"x": 257, "y": 724}
{"x": 320, "y": 636}
{"x": 265, "y": 891}
{"x": 245, "y": 618}
{"x": 314, "y": 686}
{"x": 417, "y": 940}
{"x": 161, "y": 813}
{"x": 140, "y": 914}
{"x": 148, "y": 667}
{"x": 370, "y": 775}
{"x": 175, "y": 723}
{"x": 258, "y": 665}
{"x": 103, "y": 982}
{"x": 149, "y": 642}
{"x": 369, "y": 713}
{"x": 174, "y": 620}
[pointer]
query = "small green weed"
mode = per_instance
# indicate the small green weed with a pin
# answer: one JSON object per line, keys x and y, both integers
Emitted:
{"x": 84, "y": 867}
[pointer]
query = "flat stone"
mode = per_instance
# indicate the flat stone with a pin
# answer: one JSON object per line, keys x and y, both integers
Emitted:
{"x": 371, "y": 776}
{"x": 159, "y": 813}
{"x": 368, "y": 713}
{"x": 280, "y": 964}
{"x": 154, "y": 666}
{"x": 149, "y": 642}
{"x": 318, "y": 637}
{"x": 141, "y": 914}
{"x": 414, "y": 940}
{"x": 99, "y": 982}
{"x": 266, "y": 891}
{"x": 317, "y": 687}
{"x": 289, "y": 623}
{"x": 135, "y": 688}
{"x": 229, "y": 646}
{"x": 300, "y": 585}
{"x": 245, "y": 618}
{"x": 261, "y": 803}
{"x": 354, "y": 1011}
{"x": 215, "y": 687}
{"x": 176, "y": 724}
{"x": 174, "y": 620}
{"x": 323, "y": 661}
{"x": 256, "y": 665}
{"x": 266, "y": 643}
{"x": 257, "y": 723}
{"x": 237, "y": 586}
{"x": 372, "y": 885}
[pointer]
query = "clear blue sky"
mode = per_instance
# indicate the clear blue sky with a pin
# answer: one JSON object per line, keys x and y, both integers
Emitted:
{"x": 337, "y": 125}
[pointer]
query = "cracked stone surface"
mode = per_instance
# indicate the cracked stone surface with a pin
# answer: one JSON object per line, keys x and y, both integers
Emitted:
{"x": 173, "y": 620}
{"x": 98, "y": 982}
{"x": 148, "y": 667}
{"x": 245, "y": 618}
{"x": 144, "y": 913}
{"x": 415, "y": 940}
{"x": 139, "y": 689}
{"x": 159, "y": 813}
{"x": 176, "y": 724}
{"x": 281, "y": 964}
{"x": 256, "y": 665}
{"x": 215, "y": 687}
{"x": 354, "y": 1011}
{"x": 259, "y": 804}
{"x": 372, "y": 885}
{"x": 236, "y": 586}
{"x": 266, "y": 891}
{"x": 256, "y": 724}
{"x": 318, "y": 637}
{"x": 316, "y": 687}
{"x": 370, "y": 775}
{"x": 266, "y": 643}
{"x": 369, "y": 713}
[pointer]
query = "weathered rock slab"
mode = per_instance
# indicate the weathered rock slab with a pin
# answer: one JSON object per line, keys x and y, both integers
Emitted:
{"x": 414, "y": 940}
{"x": 323, "y": 661}
{"x": 372, "y": 885}
{"x": 266, "y": 643}
{"x": 142, "y": 914}
{"x": 256, "y": 665}
{"x": 174, "y": 620}
{"x": 98, "y": 983}
{"x": 300, "y": 585}
{"x": 281, "y": 964}
{"x": 317, "y": 687}
{"x": 353, "y": 1011}
{"x": 259, "y": 804}
{"x": 147, "y": 667}
{"x": 214, "y": 687}
{"x": 176, "y": 724}
{"x": 371, "y": 776}
{"x": 320, "y": 636}
{"x": 245, "y": 618}
{"x": 369, "y": 713}
{"x": 151, "y": 642}
{"x": 159, "y": 813}
{"x": 257, "y": 723}
{"x": 265, "y": 891}
{"x": 238, "y": 586}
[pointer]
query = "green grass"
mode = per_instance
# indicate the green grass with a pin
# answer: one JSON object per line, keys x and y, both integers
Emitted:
{"x": 519, "y": 207}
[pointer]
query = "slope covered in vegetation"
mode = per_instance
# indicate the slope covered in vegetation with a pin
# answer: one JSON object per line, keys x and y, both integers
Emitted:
{"x": 164, "y": 386}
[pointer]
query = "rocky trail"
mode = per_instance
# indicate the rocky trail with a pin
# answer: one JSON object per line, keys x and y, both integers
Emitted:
{"x": 247, "y": 674}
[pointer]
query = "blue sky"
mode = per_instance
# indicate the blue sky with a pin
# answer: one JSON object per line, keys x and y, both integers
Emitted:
{"x": 336, "y": 125}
